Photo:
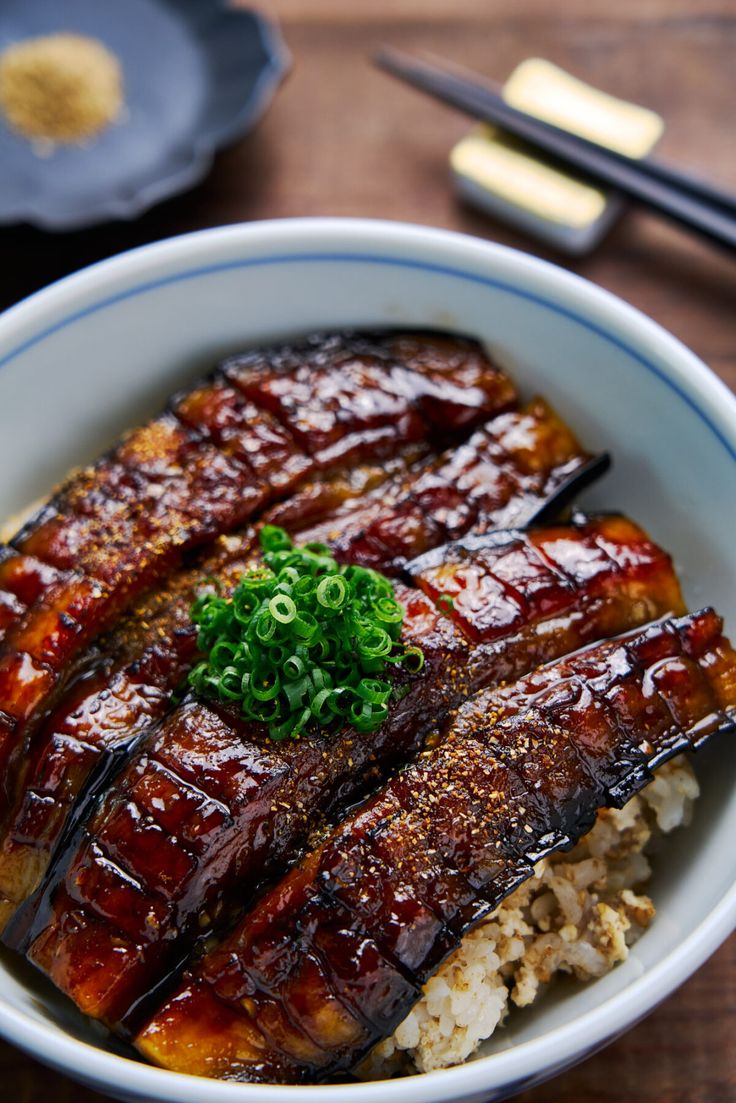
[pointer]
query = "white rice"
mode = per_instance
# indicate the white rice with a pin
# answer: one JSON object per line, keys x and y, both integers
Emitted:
{"x": 578, "y": 914}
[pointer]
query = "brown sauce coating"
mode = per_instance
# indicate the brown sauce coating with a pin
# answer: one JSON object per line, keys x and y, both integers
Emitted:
{"x": 209, "y": 803}
{"x": 23, "y": 579}
{"x": 489, "y": 482}
{"x": 116, "y": 528}
{"x": 334, "y": 956}
{"x": 494, "y": 473}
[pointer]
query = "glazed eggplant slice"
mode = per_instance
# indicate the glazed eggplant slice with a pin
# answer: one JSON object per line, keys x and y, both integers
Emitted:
{"x": 127, "y": 687}
{"x": 264, "y": 422}
{"x": 131, "y": 674}
{"x": 338, "y": 393}
{"x": 511, "y": 469}
{"x": 12, "y": 606}
{"x": 209, "y": 802}
{"x": 333, "y": 958}
{"x": 23, "y": 580}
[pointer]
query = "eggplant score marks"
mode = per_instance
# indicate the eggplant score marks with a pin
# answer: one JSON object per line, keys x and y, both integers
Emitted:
{"x": 331, "y": 960}
{"x": 135, "y": 828}
{"x": 209, "y": 807}
{"x": 263, "y": 423}
{"x": 516, "y": 467}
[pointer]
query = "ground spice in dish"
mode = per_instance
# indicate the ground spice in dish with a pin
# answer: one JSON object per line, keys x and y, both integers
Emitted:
{"x": 60, "y": 88}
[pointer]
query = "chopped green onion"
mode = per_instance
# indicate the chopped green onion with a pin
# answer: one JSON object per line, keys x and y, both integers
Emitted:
{"x": 282, "y": 609}
{"x": 274, "y": 539}
{"x": 302, "y": 642}
{"x": 414, "y": 659}
{"x": 445, "y": 603}
{"x": 332, "y": 591}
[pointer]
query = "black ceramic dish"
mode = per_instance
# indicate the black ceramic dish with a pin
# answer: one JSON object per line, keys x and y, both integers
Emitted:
{"x": 197, "y": 75}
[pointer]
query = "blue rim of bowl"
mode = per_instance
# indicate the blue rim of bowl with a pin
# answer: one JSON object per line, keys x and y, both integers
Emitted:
{"x": 376, "y": 259}
{"x": 205, "y": 144}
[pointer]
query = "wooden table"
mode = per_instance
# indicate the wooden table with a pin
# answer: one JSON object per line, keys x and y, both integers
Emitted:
{"x": 342, "y": 139}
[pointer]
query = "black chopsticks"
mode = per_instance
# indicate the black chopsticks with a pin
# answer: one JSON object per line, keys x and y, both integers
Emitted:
{"x": 686, "y": 200}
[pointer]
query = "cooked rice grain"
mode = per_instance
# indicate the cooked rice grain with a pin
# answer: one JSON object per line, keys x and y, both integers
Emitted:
{"x": 578, "y": 914}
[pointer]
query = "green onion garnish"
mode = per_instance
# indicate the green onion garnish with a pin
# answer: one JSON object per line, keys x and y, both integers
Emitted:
{"x": 301, "y": 643}
{"x": 445, "y": 604}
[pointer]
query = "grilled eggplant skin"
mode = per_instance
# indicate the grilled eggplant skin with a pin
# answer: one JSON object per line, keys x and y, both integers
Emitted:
{"x": 209, "y": 803}
{"x": 264, "y": 422}
{"x": 127, "y": 687}
{"x": 131, "y": 671}
{"x": 333, "y": 958}
{"x": 23, "y": 579}
{"x": 509, "y": 470}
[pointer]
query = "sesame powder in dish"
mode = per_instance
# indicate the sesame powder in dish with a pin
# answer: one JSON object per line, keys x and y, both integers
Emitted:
{"x": 60, "y": 88}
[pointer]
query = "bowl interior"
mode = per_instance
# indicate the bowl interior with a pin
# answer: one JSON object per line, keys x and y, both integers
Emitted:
{"x": 96, "y": 355}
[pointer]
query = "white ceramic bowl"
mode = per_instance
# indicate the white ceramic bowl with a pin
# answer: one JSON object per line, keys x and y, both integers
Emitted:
{"x": 97, "y": 351}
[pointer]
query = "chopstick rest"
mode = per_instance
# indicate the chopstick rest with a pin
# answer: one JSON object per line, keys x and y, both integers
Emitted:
{"x": 502, "y": 176}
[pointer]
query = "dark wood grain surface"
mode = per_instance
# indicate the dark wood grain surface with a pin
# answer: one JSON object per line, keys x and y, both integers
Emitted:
{"x": 342, "y": 139}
